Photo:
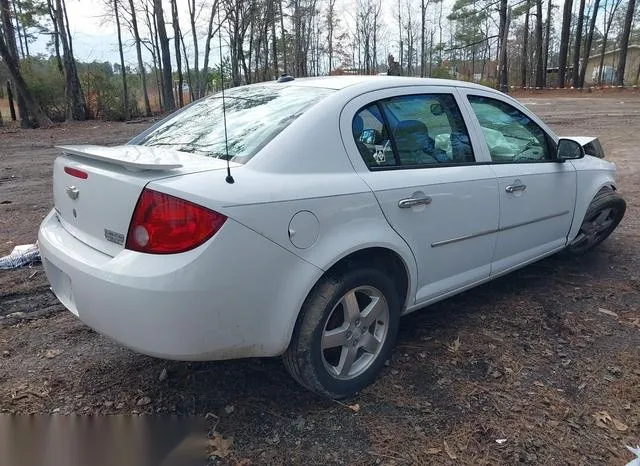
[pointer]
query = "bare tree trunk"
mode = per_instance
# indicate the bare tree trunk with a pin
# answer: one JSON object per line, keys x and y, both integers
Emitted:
{"x": 207, "y": 50}
{"x": 400, "y": 34}
{"x": 587, "y": 45}
{"x": 274, "y": 40}
{"x": 423, "y": 11}
{"x": 15, "y": 15}
{"x": 504, "y": 35}
{"x": 331, "y": 11}
{"x": 155, "y": 53}
{"x": 564, "y": 42}
{"x": 176, "y": 45}
{"x": 14, "y": 70}
{"x": 167, "y": 89}
{"x": 123, "y": 70}
{"x": 608, "y": 21}
{"x": 141, "y": 70}
{"x": 284, "y": 42}
{"x": 7, "y": 24}
{"x": 575, "y": 77}
{"x": 539, "y": 58}
{"x": 12, "y": 107}
{"x": 186, "y": 63}
{"x": 525, "y": 47}
{"x": 77, "y": 109}
{"x": 56, "y": 36}
{"x": 194, "y": 37}
{"x": 624, "y": 43}
{"x": 547, "y": 40}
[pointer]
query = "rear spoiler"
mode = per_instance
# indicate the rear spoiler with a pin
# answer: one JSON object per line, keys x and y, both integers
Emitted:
{"x": 128, "y": 156}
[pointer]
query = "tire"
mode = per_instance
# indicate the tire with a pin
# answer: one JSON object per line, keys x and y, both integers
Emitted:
{"x": 603, "y": 216}
{"x": 335, "y": 315}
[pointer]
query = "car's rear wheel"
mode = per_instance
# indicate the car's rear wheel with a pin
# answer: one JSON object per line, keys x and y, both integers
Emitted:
{"x": 603, "y": 216}
{"x": 345, "y": 332}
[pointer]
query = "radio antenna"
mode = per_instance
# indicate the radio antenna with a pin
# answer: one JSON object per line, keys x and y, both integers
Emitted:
{"x": 229, "y": 179}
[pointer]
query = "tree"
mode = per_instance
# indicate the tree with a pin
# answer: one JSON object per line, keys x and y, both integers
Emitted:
{"x": 504, "y": 35}
{"x": 141, "y": 69}
{"x": 12, "y": 65}
{"x": 564, "y": 42}
{"x": 587, "y": 45}
{"x": 176, "y": 45}
{"x": 207, "y": 47}
{"x": 539, "y": 55}
{"x": 167, "y": 88}
{"x": 525, "y": 45}
{"x": 123, "y": 70}
{"x": 547, "y": 40}
{"x": 624, "y": 43}
{"x": 194, "y": 37}
{"x": 608, "y": 20}
{"x": 7, "y": 25}
{"x": 423, "y": 13}
{"x": 575, "y": 79}
{"x": 331, "y": 21}
{"x": 77, "y": 109}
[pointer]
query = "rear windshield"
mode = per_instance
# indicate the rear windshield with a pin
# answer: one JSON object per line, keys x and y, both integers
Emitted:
{"x": 255, "y": 115}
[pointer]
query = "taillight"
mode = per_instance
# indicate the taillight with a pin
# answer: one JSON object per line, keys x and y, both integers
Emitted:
{"x": 75, "y": 172}
{"x": 164, "y": 224}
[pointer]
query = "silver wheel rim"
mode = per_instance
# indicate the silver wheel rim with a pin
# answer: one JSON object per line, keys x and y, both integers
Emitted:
{"x": 592, "y": 229}
{"x": 354, "y": 332}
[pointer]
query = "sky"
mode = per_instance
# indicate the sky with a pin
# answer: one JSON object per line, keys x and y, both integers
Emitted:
{"x": 95, "y": 38}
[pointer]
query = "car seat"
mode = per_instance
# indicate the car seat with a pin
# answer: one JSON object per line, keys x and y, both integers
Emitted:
{"x": 414, "y": 144}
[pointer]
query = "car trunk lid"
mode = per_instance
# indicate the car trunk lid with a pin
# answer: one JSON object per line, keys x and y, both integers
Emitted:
{"x": 96, "y": 188}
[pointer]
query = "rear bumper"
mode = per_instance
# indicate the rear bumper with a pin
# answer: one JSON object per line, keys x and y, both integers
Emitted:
{"x": 218, "y": 301}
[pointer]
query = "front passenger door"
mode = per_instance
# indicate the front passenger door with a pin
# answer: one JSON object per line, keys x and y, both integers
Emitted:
{"x": 537, "y": 193}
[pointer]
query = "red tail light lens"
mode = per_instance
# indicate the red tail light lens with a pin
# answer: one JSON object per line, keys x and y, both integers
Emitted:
{"x": 75, "y": 172}
{"x": 164, "y": 224}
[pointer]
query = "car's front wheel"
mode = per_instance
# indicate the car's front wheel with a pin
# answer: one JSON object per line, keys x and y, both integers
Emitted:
{"x": 345, "y": 332}
{"x": 603, "y": 215}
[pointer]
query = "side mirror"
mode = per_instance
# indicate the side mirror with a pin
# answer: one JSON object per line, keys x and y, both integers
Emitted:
{"x": 568, "y": 149}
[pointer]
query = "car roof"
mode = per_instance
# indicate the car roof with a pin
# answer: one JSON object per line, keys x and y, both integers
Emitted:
{"x": 375, "y": 82}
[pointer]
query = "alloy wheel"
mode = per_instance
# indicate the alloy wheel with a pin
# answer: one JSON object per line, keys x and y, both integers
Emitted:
{"x": 355, "y": 332}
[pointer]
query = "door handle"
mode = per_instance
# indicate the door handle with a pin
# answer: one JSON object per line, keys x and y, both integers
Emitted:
{"x": 414, "y": 201}
{"x": 516, "y": 187}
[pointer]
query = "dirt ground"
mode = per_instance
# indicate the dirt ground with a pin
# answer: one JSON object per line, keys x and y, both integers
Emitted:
{"x": 538, "y": 367}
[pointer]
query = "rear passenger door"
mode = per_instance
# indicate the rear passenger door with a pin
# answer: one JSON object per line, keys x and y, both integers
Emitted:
{"x": 414, "y": 150}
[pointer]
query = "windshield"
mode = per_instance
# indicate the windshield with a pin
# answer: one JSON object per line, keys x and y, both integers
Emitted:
{"x": 255, "y": 115}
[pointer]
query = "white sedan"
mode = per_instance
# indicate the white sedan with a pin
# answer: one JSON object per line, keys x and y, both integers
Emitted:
{"x": 317, "y": 215}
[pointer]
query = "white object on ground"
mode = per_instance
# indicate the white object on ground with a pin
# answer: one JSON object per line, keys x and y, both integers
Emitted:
{"x": 25, "y": 254}
{"x": 635, "y": 451}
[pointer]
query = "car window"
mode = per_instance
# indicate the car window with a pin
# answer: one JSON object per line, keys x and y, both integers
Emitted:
{"x": 372, "y": 137}
{"x": 428, "y": 129}
{"x": 413, "y": 130}
{"x": 254, "y": 115}
{"x": 511, "y": 136}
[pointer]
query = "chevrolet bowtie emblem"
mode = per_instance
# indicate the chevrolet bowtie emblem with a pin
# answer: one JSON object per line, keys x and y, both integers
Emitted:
{"x": 73, "y": 192}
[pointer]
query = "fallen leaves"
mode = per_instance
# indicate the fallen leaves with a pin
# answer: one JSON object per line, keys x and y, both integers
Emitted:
{"x": 52, "y": 353}
{"x": 355, "y": 408}
{"x": 607, "y": 312}
{"x": 220, "y": 446}
{"x": 603, "y": 420}
{"x": 449, "y": 451}
{"x": 454, "y": 346}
